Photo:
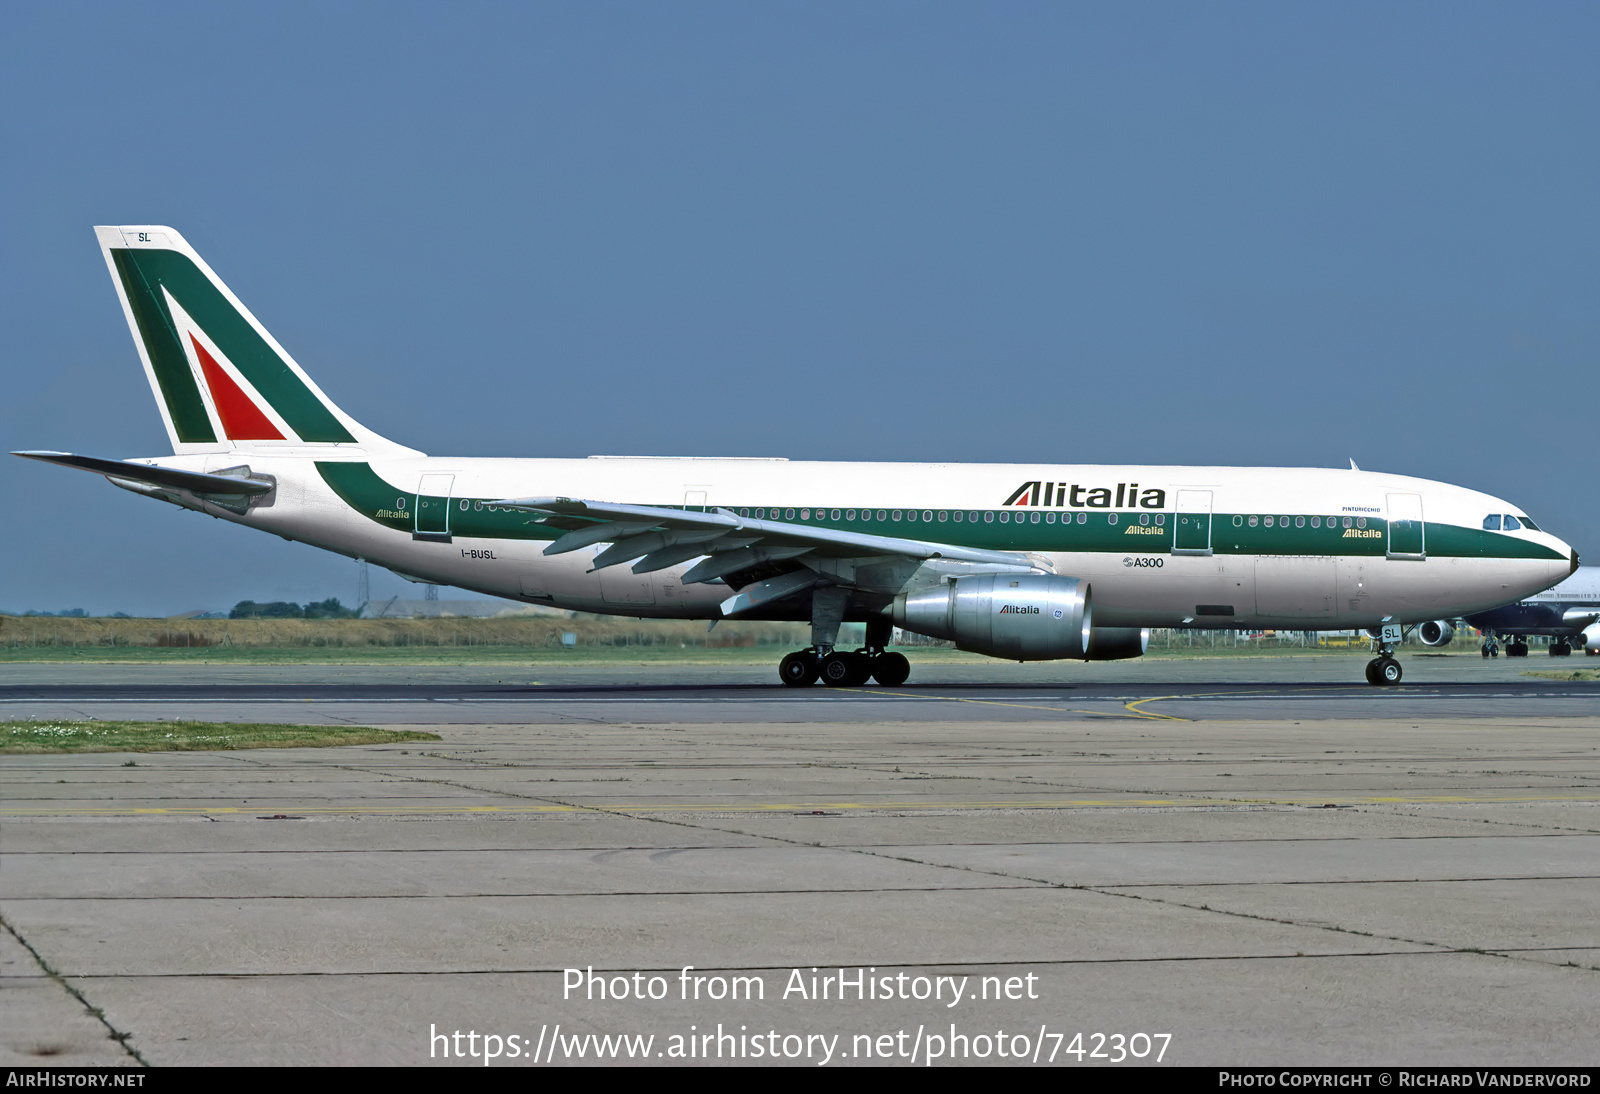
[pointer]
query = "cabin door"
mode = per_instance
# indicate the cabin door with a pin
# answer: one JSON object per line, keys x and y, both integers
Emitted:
{"x": 1405, "y": 527}
{"x": 433, "y": 508}
{"x": 1191, "y": 535}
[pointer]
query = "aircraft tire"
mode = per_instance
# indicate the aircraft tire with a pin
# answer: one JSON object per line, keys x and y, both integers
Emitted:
{"x": 1372, "y": 672}
{"x": 845, "y": 670}
{"x": 1389, "y": 671}
{"x": 1560, "y": 649}
{"x": 891, "y": 669}
{"x": 798, "y": 669}
{"x": 1485, "y": 651}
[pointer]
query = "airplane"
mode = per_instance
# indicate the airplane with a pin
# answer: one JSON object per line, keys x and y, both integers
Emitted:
{"x": 1568, "y": 613}
{"x": 1017, "y": 561}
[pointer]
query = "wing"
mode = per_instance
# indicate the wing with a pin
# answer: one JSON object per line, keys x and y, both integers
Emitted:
{"x": 766, "y": 560}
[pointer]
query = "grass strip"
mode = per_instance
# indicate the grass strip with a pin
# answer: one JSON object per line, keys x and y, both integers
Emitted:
{"x": 1566, "y": 674}
{"x": 113, "y": 736}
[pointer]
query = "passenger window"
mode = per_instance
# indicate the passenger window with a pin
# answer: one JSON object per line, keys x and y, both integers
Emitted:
{"x": 1161, "y": 518}
{"x": 1254, "y": 520}
{"x": 944, "y": 515}
{"x": 1237, "y": 520}
{"x": 896, "y": 514}
{"x": 1348, "y": 522}
{"x": 834, "y": 515}
{"x": 1144, "y": 518}
{"x": 1111, "y": 518}
{"x": 1267, "y": 521}
{"x": 1005, "y": 518}
{"x": 1316, "y": 522}
{"x": 849, "y": 514}
{"x": 882, "y": 515}
{"x": 1034, "y": 517}
{"x": 1049, "y": 518}
{"x": 1299, "y": 522}
{"x": 927, "y": 515}
{"x": 1083, "y": 518}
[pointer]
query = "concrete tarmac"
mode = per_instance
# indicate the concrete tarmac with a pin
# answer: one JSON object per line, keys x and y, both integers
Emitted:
{"x": 1262, "y": 872}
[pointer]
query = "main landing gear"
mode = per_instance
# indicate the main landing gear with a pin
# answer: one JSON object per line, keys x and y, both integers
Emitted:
{"x": 1491, "y": 648}
{"x": 837, "y": 668}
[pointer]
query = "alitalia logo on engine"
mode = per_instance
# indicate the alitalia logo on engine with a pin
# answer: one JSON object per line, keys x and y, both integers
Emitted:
{"x": 1019, "y": 609}
{"x": 1061, "y": 495}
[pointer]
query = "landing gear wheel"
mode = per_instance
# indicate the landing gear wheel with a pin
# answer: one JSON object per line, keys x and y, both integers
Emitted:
{"x": 1485, "y": 651}
{"x": 1382, "y": 671}
{"x": 845, "y": 670}
{"x": 1517, "y": 649}
{"x": 799, "y": 669}
{"x": 890, "y": 669}
{"x": 1560, "y": 649}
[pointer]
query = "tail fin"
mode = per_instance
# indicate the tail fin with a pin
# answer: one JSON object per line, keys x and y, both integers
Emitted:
{"x": 222, "y": 382}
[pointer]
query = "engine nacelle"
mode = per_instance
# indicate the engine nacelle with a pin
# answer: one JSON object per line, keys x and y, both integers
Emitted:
{"x": 1590, "y": 638}
{"x": 1021, "y": 617}
{"x": 1117, "y": 643}
{"x": 1435, "y": 632}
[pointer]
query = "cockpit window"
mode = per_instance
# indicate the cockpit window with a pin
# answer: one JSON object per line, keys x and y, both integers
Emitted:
{"x": 1511, "y": 524}
{"x": 1491, "y": 523}
{"x": 1528, "y": 524}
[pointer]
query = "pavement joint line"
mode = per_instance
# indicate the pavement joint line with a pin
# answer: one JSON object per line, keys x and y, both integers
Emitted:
{"x": 1022, "y": 884}
{"x": 554, "y": 805}
{"x": 1047, "y": 962}
{"x": 123, "y": 1040}
{"x": 1438, "y": 947}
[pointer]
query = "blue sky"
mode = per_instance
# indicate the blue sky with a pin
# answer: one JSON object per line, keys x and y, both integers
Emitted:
{"x": 1268, "y": 234}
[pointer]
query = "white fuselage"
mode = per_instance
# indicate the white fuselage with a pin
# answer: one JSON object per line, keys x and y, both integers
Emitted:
{"x": 1344, "y": 571}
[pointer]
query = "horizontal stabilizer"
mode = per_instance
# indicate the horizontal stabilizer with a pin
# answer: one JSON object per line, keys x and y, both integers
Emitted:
{"x": 169, "y": 477}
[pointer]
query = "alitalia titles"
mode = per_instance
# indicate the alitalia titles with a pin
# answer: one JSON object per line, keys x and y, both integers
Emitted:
{"x": 1061, "y": 495}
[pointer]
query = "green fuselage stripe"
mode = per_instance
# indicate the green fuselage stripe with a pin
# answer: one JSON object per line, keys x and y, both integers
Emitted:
{"x": 1102, "y": 531}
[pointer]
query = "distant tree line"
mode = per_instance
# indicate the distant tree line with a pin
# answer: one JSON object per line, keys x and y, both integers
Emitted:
{"x": 75, "y": 613}
{"x": 283, "y": 609}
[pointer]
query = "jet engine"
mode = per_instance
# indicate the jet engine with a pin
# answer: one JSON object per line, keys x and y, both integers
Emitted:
{"x": 1590, "y": 639}
{"x": 1020, "y": 617}
{"x": 1435, "y": 632}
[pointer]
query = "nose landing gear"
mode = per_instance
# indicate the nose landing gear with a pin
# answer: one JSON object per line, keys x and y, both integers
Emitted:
{"x": 1384, "y": 670}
